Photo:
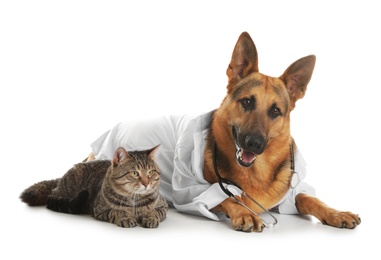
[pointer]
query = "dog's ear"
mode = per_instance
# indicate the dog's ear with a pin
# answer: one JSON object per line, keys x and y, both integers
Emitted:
{"x": 244, "y": 59}
{"x": 297, "y": 76}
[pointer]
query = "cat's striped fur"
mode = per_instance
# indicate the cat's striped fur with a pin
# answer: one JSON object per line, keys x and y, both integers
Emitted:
{"x": 124, "y": 191}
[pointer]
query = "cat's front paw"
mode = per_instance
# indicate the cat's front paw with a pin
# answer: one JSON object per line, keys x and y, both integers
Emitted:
{"x": 150, "y": 222}
{"x": 127, "y": 223}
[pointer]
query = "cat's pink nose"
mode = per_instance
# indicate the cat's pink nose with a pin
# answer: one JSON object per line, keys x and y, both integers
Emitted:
{"x": 145, "y": 182}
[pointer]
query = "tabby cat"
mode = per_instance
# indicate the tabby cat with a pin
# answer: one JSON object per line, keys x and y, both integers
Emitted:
{"x": 124, "y": 191}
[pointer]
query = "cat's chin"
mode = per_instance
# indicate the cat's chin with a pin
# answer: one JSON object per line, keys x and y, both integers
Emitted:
{"x": 144, "y": 190}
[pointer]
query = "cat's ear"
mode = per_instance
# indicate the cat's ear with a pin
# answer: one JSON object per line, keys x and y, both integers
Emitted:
{"x": 153, "y": 152}
{"x": 120, "y": 155}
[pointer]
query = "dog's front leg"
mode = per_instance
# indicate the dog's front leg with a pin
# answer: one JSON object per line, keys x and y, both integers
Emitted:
{"x": 241, "y": 218}
{"x": 310, "y": 205}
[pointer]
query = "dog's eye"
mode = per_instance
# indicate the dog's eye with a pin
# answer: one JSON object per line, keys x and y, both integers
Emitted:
{"x": 274, "y": 111}
{"x": 248, "y": 103}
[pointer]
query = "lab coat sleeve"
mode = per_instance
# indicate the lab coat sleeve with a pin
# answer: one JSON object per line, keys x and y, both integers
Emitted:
{"x": 288, "y": 206}
{"x": 288, "y": 203}
{"x": 192, "y": 194}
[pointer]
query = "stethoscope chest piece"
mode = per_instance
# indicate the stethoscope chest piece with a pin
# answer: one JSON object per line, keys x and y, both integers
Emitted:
{"x": 294, "y": 180}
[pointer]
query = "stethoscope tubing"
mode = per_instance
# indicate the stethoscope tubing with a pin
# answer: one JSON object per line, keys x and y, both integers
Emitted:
{"x": 221, "y": 182}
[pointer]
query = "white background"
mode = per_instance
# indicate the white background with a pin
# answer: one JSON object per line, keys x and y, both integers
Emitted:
{"x": 70, "y": 70}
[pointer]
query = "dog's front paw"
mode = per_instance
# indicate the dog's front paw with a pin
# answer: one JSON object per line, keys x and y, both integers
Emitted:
{"x": 241, "y": 218}
{"x": 247, "y": 222}
{"x": 341, "y": 219}
{"x": 244, "y": 220}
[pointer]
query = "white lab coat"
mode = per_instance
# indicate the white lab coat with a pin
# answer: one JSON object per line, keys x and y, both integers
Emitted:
{"x": 180, "y": 159}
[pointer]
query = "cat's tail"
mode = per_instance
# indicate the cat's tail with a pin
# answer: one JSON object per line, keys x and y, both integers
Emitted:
{"x": 37, "y": 194}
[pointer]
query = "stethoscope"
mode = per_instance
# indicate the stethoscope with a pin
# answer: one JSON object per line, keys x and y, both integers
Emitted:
{"x": 271, "y": 220}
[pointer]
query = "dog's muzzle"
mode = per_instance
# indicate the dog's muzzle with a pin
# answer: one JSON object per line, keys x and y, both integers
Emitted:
{"x": 248, "y": 146}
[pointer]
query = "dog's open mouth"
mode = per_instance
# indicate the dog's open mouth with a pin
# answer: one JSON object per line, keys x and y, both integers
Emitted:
{"x": 245, "y": 158}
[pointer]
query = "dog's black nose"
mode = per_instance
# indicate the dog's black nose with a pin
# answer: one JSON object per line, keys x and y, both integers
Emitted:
{"x": 255, "y": 143}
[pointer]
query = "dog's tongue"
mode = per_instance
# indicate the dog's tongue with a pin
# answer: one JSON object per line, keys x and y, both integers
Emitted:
{"x": 247, "y": 156}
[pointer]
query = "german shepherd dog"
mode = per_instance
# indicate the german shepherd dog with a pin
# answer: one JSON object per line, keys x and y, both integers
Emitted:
{"x": 251, "y": 129}
{"x": 248, "y": 143}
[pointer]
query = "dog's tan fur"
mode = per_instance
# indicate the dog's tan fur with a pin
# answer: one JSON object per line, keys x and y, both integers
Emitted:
{"x": 268, "y": 179}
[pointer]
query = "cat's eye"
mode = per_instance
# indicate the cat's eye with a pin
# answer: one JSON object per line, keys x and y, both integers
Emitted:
{"x": 134, "y": 174}
{"x": 150, "y": 173}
